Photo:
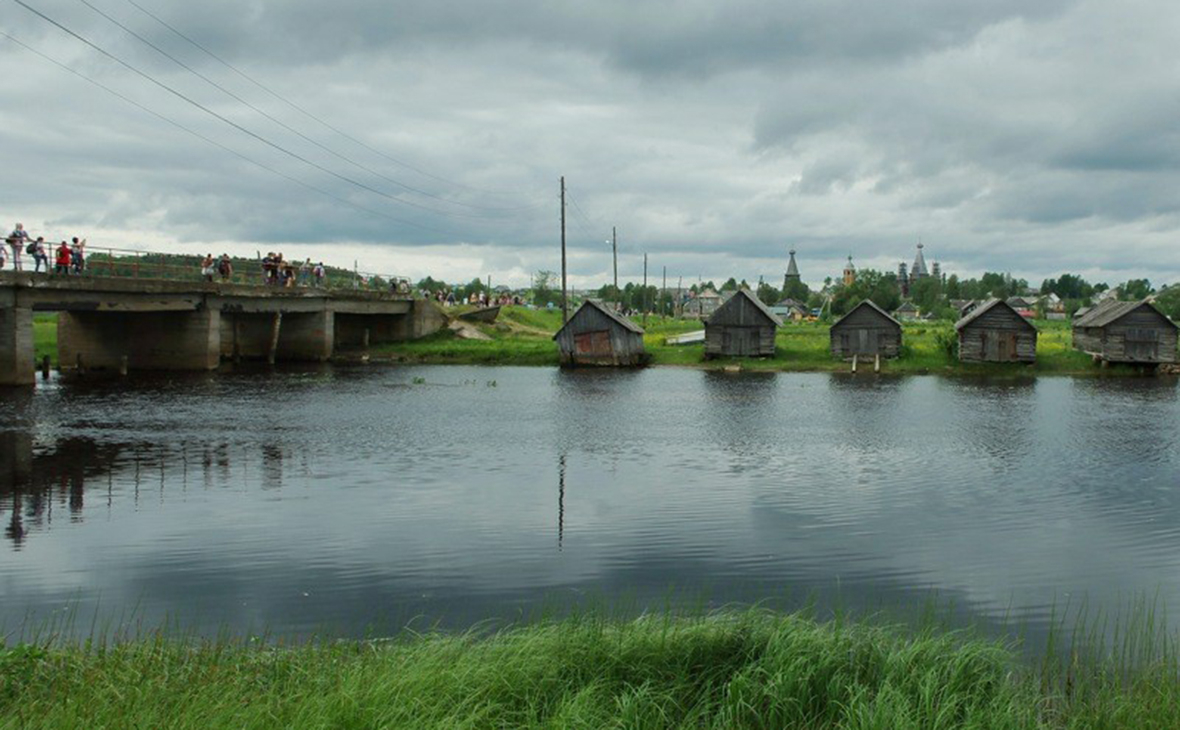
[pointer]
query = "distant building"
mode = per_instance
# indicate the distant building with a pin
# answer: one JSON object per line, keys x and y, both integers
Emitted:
{"x": 1129, "y": 332}
{"x": 703, "y": 305}
{"x": 995, "y": 332}
{"x": 595, "y": 335}
{"x": 908, "y": 311}
{"x": 866, "y": 331}
{"x": 792, "y": 275}
{"x": 849, "y": 273}
{"x": 742, "y": 327}
{"x": 907, "y": 278}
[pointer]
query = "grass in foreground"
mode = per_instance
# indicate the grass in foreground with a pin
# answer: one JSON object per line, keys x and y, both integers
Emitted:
{"x": 753, "y": 669}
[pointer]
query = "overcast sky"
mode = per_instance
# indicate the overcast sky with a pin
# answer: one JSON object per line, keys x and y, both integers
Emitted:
{"x": 1035, "y": 138}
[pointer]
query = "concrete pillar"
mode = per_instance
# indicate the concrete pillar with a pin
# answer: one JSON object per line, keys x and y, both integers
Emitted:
{"x": 307, "y": 336}
{"x": 17, "y": 365}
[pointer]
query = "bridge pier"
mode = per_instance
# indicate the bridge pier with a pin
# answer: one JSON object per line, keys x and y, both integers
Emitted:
{"x": 17, "y": 366}
{"x": 140, "y": 340}
{"x": 307, "y": 336}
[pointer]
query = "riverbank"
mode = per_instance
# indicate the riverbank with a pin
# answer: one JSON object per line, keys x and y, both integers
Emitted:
{"x": 524, "y": 337}
{"x": 750, "y": 669}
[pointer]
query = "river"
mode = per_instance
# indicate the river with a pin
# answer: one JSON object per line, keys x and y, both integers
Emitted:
{"x": 356, "y": 500}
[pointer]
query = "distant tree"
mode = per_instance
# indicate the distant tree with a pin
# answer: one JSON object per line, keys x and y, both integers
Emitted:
{"x": 1135, "y": 289}
{"x": 953, "y": 289}
{"x": 543, "y": 292}
{"x": 609, "y": 293}
{"x": 1068, "y": 286}
{"x": 768, "y": 295}
{"x": 431, "y": 285}
{"x": 1168, "y": 300}
{"x": 730, "y": 285}
{"x": 926, "y": 293}
{"x": 871, "y": 284}
{"x": 796, "y": 290}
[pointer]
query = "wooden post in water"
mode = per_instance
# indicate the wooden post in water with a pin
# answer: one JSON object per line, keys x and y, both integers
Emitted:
{"x": 237, "y": 339}
{"x": 276, "y": 326}
{"x": 877, "y": 364}
{"x": 79, "y": 367}
{"x": 123, "y": 365}
{"x": 45, "y": 368}
{"x": 854, "y": 356}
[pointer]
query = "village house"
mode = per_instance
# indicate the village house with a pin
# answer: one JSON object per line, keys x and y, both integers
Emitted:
{"x": 995, "y": 332}
{"x": 1126, "y": 332}
{"x": 742, "y": 327}
{"x": 866, "y": 331}
{"x": 703, "y": 305}
{"x": 908, "y": 311}
{"x": 596, "y": 335}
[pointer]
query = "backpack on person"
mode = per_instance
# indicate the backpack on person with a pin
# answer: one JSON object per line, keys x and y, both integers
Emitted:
{"x": 31, "y": 248}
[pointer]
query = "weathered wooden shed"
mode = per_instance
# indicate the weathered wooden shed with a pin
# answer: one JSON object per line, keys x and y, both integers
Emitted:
{"x": 742, "y": 327}
{"x": 995, "y": 332}
{"x": 596, "y": 335}
{"x": 866, "y": 331}
{"x": 1128, "y": 332}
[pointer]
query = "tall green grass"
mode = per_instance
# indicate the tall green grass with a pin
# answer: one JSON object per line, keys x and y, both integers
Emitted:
{"x": 750, "y": 669}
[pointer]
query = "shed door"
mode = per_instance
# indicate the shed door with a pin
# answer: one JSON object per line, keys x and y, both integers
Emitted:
{"x": 1141, "y": 344}
{"x": 740, "y": 341}
{"x": 866, "y": 342}
{"x": 592, "y": 343}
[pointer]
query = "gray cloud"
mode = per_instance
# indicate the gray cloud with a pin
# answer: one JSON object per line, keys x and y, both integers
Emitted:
{"x": 715, "y": 136}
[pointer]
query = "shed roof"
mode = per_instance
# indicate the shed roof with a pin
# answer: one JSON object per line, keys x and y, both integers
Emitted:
{"x": 615, "y": 316}
{"x": 987, "y": 307}
{"x": 907, "y": 307}
{"x": 757, "y": 304}
{"x": 867, "y": 303}
{"x": 1110, "y": 311}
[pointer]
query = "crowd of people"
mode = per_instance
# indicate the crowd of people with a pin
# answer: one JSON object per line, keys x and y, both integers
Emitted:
{"x": 69, "y": 257}
{"x": 277, "y": 271}
{"x": 479, "y": 299}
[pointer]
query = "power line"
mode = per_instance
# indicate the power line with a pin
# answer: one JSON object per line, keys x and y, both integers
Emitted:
{"x": 226, "y": 120}
{"x": 277, "y": 121}
{"x": 221, "y": 146}
{"x": 321, "y": 121}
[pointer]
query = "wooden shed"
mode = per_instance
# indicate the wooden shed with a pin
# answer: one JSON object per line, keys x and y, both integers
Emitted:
{"x": 866, "y": 331}
{"x": 741, "y": 327}
{"x": 1129, "y": 332}
{"x": 995, "y": 332}
{"x": 596, "y": 335}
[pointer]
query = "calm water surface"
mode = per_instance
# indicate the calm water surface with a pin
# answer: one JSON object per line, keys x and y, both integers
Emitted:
{"x": 350, "y": 500}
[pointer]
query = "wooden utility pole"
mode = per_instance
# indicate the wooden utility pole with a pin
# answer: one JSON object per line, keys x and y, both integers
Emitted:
{"x": 565, "y": 310}
{"x": 614, "y": 249}
{"x": 644, "y": 290}
{"x": 679, "y": 296}
{"x": 663, "y": 290}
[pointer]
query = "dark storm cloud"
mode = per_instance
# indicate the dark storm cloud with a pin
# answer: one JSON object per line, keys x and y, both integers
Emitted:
{"x": 715, "y": 135}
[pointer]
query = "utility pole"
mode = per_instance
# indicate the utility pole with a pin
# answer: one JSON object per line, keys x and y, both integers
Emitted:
{"x": 614, "y": 248}
{"x": 679, "y": 295}
{"x": 565, "y": 311}
{"x": 645, "y": 290}
{"x": 663, "y": 290}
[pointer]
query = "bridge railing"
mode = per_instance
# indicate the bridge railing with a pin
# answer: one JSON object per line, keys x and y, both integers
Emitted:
{"x": 126, "y": 263}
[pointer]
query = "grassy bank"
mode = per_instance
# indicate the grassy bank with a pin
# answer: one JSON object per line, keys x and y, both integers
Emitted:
{"x": 753, "y": 669}
{"x": 523, "y": 337}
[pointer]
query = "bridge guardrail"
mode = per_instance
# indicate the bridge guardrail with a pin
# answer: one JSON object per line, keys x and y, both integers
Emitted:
{"x": 108, "y": 261}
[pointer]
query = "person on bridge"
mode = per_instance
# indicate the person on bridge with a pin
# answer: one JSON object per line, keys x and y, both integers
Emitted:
{"x": 18, "y": 239}
{"x": 78, "y": 255}
{"x": 40, "y": 257}
{"x": 225, "y": 268}
{"x": 207, "y": 268}
{"x": 62, "y": 262}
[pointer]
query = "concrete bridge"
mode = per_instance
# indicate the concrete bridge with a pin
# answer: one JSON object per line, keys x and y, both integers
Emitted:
{"x": 145, "y": 324}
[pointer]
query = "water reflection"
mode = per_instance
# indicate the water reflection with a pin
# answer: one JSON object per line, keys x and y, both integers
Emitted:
{"x": 431, "y": 491}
